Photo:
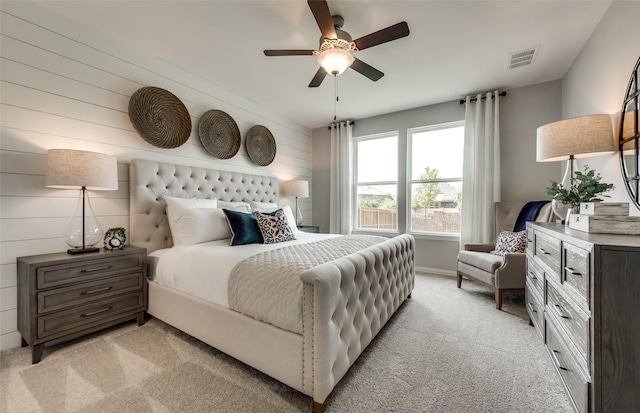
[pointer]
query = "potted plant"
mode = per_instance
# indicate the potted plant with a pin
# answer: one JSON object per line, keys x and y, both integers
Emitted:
{"x": 584, "y": 187}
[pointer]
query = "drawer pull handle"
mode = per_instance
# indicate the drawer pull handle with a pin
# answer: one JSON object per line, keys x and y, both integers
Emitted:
{"x": 562, "y": 315}
{"x": 572, "y": 271}
{"x": 533, "y": 275}
{"x": 532, "y": 308}
{"x": 557, "y": 362}
{"x": 97, "y": 290}
{"x": 96, "y": 312}
{"x": 106, "y": 267}
{"x": 544, "y": 252}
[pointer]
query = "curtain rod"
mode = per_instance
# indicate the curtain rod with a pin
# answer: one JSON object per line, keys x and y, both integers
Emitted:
{"x": 462, "y": 101}
{"x": 348, "y": 121}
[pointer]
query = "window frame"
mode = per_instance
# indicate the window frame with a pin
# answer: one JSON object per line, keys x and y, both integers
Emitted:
{"x": 355, "y": 184}
{"x": 410, "y": 182}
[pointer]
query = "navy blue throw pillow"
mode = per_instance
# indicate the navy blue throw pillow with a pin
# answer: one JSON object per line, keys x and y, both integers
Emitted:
{"x": 244, "y": 227}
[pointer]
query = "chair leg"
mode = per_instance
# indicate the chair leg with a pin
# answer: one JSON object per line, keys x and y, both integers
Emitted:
{"x": 459, "y": 280}
{"x": 499, "y": 294}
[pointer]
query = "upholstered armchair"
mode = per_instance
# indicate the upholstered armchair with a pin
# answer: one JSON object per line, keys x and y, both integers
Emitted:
{"x": 503, "y": 273}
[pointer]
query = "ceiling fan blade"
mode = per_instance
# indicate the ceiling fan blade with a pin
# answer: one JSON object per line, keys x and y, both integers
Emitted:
{"x": 394, "y": 32}
{"x": 321, "y": 13}
{"x": 288, "y": 52}
{"x": 366, "y": 70}
{"x": 318, "y": 78}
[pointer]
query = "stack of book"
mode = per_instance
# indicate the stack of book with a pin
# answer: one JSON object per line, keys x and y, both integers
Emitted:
{"x": 605, "y": 218}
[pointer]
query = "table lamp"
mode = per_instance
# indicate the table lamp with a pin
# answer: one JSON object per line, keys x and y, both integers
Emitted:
{"x": 298, "y": 189}
{"x": 73, "y": 169}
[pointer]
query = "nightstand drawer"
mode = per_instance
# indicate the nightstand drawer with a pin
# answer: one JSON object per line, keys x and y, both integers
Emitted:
{"x": 576, "y": 269}
{"x": 77, "y": 318}
{"x": 57, "y": 299}
{"x": 571, "y": 319}
{"x": 310, "y": 228}
{"x": 58, "y": 275}
{"x": 567, "y": 366}
{"x": 547, "y": 249}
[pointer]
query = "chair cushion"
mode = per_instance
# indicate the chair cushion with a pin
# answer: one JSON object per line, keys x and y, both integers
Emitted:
{"x": 510, "y": 242}
{"x": 482, "y": 260}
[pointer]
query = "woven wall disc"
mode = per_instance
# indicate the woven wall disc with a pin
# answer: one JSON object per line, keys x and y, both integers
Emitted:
{"x": 219, "y": 134}
{"x": 260, "y": 145}
{"x": 159, "y": 117}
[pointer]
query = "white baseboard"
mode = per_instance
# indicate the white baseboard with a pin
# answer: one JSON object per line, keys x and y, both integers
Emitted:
{"x": 436, "y": 271}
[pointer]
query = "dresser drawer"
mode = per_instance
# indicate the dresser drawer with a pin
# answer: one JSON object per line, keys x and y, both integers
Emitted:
{"x": 576, "y": 269}
{"x": 530, "y": 243}
{"x": 77, "y": 318}
{"x": 535, "y": 276}
{"x": 575, "y": 382}
{"x": 535, "y": 308}
{"x": 62, "y": 274}
{"x": 78, "y": 294}
{"x": 571, "y": 319}
{"x": 547, "y": 249}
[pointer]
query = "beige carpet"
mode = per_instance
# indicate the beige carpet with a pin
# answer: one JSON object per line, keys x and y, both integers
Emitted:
{"x": 446, "y": 350}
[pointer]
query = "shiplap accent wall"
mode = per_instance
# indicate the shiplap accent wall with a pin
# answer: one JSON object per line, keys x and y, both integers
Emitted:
{"x": 65, "y": 86}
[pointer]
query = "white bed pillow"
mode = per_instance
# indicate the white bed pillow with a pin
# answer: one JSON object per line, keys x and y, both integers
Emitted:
{"x": 177, "y": 208}
{"x": 203, "y": 225}
{"x": 260, "y": 206}
{"x": 236, "y": 206}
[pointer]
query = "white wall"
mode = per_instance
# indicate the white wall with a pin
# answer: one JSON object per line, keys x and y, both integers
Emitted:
{"x": 65, "y": 86}
{"x": 597, "y": 81}
{"x": 522, "y": 111}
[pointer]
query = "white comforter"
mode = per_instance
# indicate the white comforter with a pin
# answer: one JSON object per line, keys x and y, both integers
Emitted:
{"x": 203, "y": 269}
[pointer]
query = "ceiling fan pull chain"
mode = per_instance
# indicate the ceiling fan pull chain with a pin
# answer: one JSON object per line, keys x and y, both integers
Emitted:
{"x": 335, "y": 104}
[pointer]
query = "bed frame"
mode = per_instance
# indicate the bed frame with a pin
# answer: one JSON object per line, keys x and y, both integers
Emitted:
{"x": 346, "y": 302}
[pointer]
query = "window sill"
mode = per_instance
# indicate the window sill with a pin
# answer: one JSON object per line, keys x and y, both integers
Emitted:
{"x": 436, "y": 237}
{"x": 417, "y": 235}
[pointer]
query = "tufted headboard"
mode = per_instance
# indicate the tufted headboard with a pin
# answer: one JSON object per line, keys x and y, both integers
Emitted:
{"x": 150, "y": 180}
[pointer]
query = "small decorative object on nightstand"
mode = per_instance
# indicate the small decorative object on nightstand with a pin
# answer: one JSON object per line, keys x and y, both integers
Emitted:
{"x": 309, "y": 228}
{"x": 62, "y": 296}
{"x": 115, "y": 238}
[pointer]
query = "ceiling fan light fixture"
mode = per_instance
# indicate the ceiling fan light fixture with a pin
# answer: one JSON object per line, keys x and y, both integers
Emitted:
{"x": 335, "y": 60}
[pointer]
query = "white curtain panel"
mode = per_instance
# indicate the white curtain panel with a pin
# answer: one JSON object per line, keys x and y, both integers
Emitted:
{"x": 481, "y": 173}
{"x": 340, "y": 191}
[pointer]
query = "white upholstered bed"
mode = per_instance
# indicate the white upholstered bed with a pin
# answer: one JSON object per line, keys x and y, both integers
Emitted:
{"x": 345, "y": 302}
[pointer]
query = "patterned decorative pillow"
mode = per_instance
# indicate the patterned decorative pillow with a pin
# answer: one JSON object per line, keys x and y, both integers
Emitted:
{"x": 510, "y": 242}
{"x": 274, "y": 228}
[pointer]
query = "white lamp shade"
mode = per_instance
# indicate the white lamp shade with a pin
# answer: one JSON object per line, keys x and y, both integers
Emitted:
{"x": 335, "y": 60}
{"x": 581, "y": 137}
{"x": 73, "y": 169}
{"x": 298, "y": 189}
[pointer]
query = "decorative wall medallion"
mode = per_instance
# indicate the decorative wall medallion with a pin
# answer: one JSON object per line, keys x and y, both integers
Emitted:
{"x": 159, "y": 117}
{"x": 260, "y": 145}
{"x": 219, "y": 134}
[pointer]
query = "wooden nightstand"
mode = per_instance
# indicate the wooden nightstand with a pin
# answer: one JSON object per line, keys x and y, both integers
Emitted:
{"x": 309, "y": 228}
{"x": 62, "y": 296}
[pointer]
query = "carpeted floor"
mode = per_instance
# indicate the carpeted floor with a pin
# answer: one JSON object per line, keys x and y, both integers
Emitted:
{"x": 446, "y": 350}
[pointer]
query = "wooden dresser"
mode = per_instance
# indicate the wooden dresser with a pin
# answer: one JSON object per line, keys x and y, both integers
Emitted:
{"x": 62, "y": 296}
{"x": 583, "y": 297}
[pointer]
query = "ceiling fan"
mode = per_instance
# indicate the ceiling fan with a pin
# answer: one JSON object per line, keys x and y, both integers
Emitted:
{"x": 335, "y": 52}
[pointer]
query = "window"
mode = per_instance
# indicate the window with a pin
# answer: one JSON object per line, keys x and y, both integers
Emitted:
{"x": 436, "y": 154}
{"x": 376, "y": 182}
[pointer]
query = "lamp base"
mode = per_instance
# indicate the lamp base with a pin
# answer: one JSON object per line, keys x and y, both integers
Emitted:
{"x": 76, "y": 251}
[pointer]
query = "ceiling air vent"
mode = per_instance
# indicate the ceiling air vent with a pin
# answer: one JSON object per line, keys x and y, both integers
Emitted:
{"x": 523, "y": 58}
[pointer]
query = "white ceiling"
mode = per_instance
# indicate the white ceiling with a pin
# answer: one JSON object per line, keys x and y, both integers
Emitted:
{"x": 455, "y": 47}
